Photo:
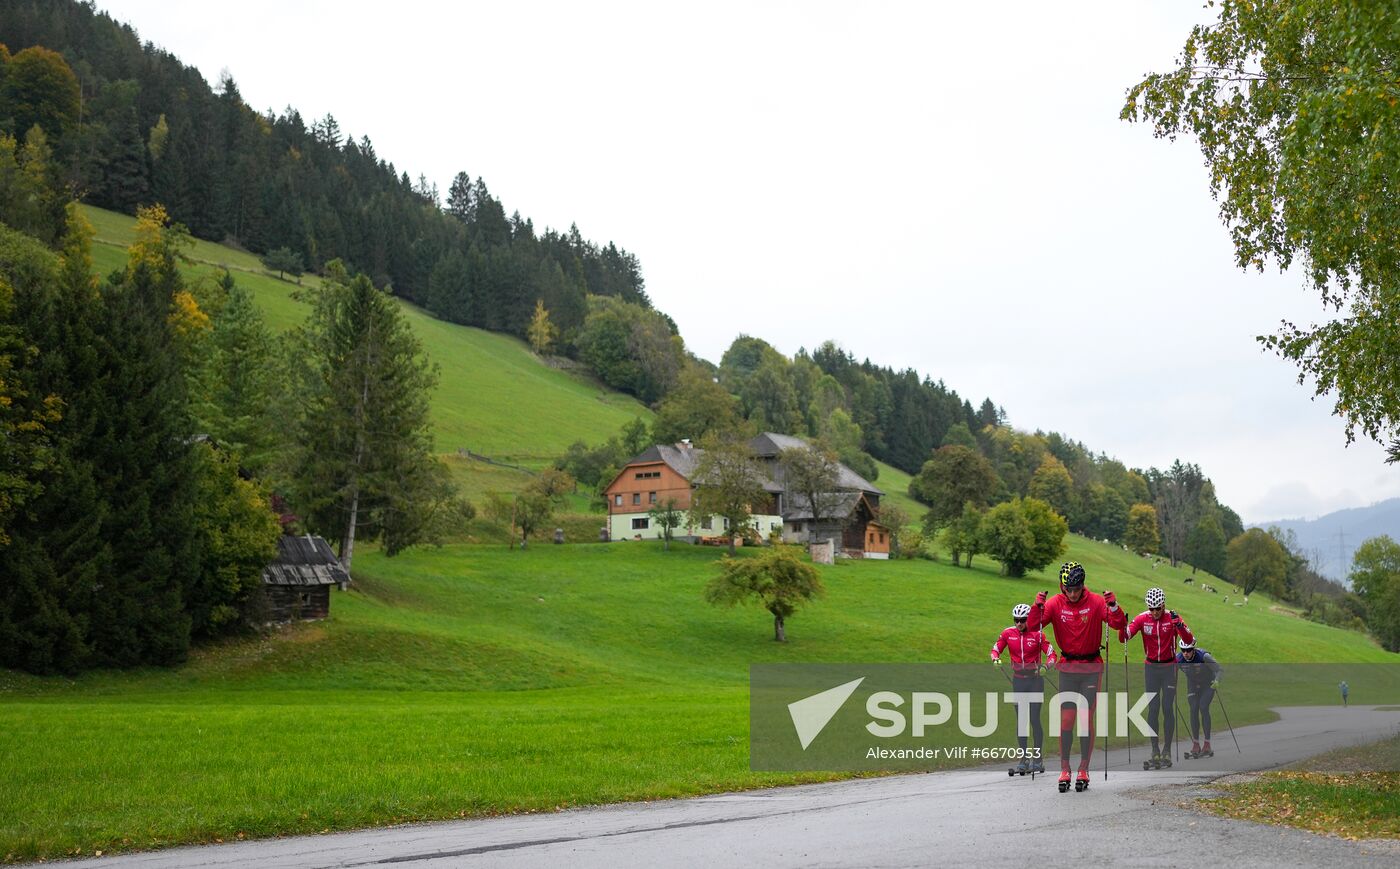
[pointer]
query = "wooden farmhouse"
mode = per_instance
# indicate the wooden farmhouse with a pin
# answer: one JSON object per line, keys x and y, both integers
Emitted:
{"x": 297, "y": 585}
{"x": 849, "y": 516}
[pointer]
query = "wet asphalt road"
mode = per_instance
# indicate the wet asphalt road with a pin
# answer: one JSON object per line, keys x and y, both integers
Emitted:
{"x": 959, "y": 818}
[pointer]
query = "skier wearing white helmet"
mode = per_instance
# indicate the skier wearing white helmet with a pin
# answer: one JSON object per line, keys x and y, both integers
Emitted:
{"x": 1160, "y": 629}
{"x": 1026, "y": 648}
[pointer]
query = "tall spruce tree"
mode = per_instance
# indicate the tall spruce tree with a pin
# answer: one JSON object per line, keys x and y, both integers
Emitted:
{"x": 57, "y": 552}
{"x": 364, "y": 467}
{"x": 143, "y": 460}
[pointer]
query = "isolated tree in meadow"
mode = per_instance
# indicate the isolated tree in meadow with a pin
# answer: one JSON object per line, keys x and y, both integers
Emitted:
{"x": 532, "y": 508}
{"x": 1291, "y": 102}
{"x": 284, "y": 261}
{"x": 811, "y": 476}
{"x": 363, "y": 462}
{"x": 1255, "y": 560}
{"x": 1023, "y": 534}
{"x": 541, "y": 332}
{"x": 728, "y": 483}
{"x": 776, "y": 577}
{"x": 668, "y": 516}
{"x": 1205, "y": 545}
{"x": 1375, "y": 577}
{"x": 953, "y": 476}
{"x": 963, "y": 536}
{"x": 1141, "y": 534}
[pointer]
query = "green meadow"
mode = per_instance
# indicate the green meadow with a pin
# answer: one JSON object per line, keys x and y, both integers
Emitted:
{"x": 474, "y": 680}
{"x": 494, "y": 397}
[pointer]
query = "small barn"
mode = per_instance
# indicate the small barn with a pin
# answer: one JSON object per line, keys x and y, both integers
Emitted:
{"x": 297, "y": 585}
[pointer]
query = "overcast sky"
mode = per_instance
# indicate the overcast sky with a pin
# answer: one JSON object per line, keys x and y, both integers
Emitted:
{"x": 937, "y": 187}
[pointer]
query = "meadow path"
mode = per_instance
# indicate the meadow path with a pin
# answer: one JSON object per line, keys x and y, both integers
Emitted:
{"x": 958, "y": 818}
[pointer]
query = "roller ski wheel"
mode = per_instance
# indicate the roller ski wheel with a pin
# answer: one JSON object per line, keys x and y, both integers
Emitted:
{"x": 1021, "y": 768}
{"x": 1157, "y": 761}
{"x": 1064, "y": 781}
{"x": 1081, "y": 783}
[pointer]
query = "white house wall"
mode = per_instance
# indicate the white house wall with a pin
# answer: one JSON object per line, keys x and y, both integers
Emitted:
{"x": 620, "y": 527}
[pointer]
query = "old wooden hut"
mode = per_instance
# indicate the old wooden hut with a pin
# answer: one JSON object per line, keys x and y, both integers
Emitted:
{"x": 297, "y": 585}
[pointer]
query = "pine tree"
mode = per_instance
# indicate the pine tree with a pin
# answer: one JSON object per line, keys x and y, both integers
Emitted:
{"x": 542, "y": 332}
{"x": 364, "y": 466}
{"x": 59, "y": 552}
{"x": 243, "y": 380}
{"x": 144, "y": 465}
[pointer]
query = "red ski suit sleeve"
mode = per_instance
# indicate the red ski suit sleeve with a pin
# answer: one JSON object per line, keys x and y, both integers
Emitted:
{"x": 1159, "y": 636}
{"x": 1025, "y": 647}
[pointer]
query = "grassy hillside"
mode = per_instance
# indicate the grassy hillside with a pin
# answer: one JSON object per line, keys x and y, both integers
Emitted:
{"x": 495, "y": 397}
{"x": 473, "y": 679}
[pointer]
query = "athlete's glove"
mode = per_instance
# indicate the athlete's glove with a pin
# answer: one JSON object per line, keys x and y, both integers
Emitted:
{"x": 1176, "y": 619}
{"x": 996, "y": 662}
{"x": 1040, "y": 599}
{"x": 1111, "y": 599}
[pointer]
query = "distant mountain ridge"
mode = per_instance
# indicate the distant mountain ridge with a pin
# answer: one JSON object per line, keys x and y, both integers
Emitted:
{"x": 1333, "y": 538}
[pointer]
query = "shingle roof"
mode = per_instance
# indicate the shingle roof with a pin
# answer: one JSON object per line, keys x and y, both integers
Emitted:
{"x": 770, "y": 445}
{"x": 304, "y": 560}
{"x": 682, "y": 460}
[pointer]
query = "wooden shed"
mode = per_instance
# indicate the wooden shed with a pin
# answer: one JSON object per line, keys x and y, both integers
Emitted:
{"x": 297, "y": 585}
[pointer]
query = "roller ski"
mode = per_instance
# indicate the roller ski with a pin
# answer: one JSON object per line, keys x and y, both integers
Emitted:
{"x": 1064, "y": 779}
{"x": 1081, "y": 781}
{"x": 1037, "y": 768}
{"x": 1158, "y": 761}
{"x": 1198, "y": 751}
{"x": 1022, "y": 768}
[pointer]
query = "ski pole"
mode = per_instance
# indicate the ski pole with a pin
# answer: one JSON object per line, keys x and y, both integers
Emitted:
{"x": 1127, "y": 698}
{"x": 1181, "y": 727}
{"x": 1227, "y": 720}
{"x": 1103, "y": 680}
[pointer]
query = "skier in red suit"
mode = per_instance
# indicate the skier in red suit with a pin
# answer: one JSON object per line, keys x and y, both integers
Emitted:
{"x": 1077, "y": 616}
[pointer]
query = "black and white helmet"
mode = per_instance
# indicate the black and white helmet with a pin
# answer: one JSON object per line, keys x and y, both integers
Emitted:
{"x": 1185, "y": 646}
{"x": 1021, "y": 611}
{"x": 1155, "y": 598}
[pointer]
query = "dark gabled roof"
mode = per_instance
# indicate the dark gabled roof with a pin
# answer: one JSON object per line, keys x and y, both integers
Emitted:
{"x": 770, "y": 445}
{"x": 304, "y": 560}
{"x": 682, "y": 460}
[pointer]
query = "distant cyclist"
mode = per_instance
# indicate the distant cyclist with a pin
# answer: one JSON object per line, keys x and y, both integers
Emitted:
{"x": 1202, "y": 674}
{"x": 1077, "y": 617}
{"x": 1160, "y": 630}
{"x": 1026, "y": 648}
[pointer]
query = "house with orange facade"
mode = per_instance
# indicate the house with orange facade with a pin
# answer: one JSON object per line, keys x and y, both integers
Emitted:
{"x": 667, "y": 471}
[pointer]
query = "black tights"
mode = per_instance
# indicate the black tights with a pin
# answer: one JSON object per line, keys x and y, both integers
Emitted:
{"x": 1161, "y": 679}
{"x": 1199, "y": 701}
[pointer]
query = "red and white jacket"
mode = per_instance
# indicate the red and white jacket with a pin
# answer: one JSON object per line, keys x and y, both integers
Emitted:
{"x": 1025, "y": 647}
{"x": 1078, "y": 626}
{"x": 1159, "y": 636}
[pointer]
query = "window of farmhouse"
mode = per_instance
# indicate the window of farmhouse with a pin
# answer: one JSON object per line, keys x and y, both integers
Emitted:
{"x": 640, "y": 524}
